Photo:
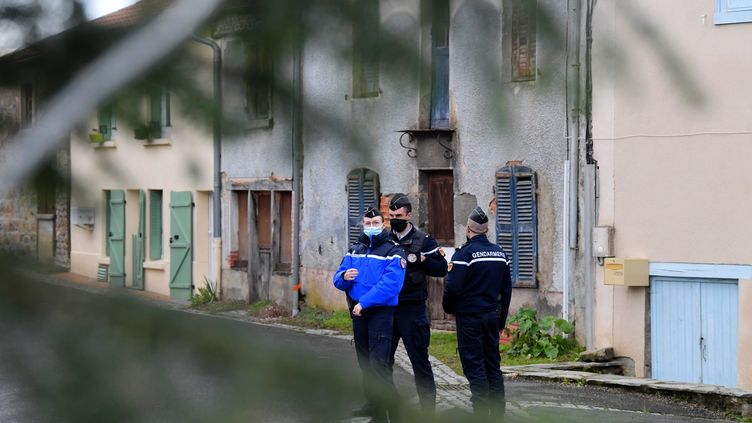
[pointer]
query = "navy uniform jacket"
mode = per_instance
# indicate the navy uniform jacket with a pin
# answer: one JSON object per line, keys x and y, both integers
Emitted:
{"x": 381, "y": 271}
{"x": 478, "y": 280}
{"x": 416, "y": 244}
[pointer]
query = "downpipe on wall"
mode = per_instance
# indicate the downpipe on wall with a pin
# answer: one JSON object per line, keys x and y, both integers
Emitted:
{"x": 216, "y": 253}
{"x": 297, "y": 160}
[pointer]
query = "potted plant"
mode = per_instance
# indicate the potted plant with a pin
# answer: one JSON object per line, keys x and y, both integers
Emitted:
{"x": 96, "y": 136}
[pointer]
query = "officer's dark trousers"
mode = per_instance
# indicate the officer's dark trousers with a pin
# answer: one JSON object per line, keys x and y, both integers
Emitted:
{"x": 478, "y": 344}
{"x": 372, "y": 331}
{"x": 412, "y": 325}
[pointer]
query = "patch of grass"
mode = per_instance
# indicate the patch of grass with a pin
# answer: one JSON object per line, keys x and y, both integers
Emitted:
{"x": 444, "y": 347}
{"x": 256, "y": 308}
{"x": 221, "y": 306}
{"x": 317, "y": 318}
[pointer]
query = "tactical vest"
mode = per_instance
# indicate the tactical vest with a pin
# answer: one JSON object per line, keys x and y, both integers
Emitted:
{"x": 415, "y": 288}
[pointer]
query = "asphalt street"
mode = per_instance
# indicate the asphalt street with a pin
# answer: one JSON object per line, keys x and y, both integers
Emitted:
{"x": 72, "y": 355}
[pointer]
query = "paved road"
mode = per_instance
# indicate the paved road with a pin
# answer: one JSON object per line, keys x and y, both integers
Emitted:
{"x": 70, "y": 355}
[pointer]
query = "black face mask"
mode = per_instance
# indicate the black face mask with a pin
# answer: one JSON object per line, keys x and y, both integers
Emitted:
{"x": 398, "y": 225}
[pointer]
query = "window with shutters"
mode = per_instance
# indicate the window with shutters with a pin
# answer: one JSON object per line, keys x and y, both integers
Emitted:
{"x": 249, "y": 82}
{"x": 155, "y": 224}
{"x": 157, "y": 121}
{"x": 362, "y": 192}
{"x": 523, "y": 38}
{"x": 27, "y": 105}
{"x": 365, "y": 51}
{"x": 732, "y": 11}
{"x": 440, "y": 64}
{"x": 517, "y": 222}
{"x": 106, "y": 123}
{"x": 258, "y": 85}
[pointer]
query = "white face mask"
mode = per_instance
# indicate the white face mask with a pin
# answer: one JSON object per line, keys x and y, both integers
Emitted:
{"x": 372, "y": 230}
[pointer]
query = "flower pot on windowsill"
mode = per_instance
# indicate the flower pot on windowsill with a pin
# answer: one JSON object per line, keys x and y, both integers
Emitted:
{"x": 141, "y": 133}
{"x": 96, "y": 137}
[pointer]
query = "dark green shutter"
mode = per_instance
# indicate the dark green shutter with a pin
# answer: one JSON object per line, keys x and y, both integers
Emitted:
{"x": 155, "y": 225}
{"x": 362, "y": 191}
{"x": 105, "y": 121}
{"x": 517, "y": 221}
{"x": 181, "y": 245}
{"x": 138, "y": 244}
{"x": 116, "y": 238}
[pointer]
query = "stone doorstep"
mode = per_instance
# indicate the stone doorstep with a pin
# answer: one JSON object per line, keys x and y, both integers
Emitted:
{"x": 716, "y": 397}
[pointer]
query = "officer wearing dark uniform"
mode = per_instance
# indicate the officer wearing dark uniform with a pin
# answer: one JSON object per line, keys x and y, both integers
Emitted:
{"x": 411, "y": 323}
{"x": 477, "y": 291}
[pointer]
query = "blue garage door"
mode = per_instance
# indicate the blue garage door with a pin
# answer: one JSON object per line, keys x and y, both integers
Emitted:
{"x": 694, "y": 330}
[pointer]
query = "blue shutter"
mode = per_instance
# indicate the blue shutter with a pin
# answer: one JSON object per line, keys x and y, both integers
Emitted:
{"x": 362, "y": 191}
{"x": 440, "y": 65}
{"x": 155, "y": 224}
{"x": 517, "y": 222}
{"x": 732, "y": 11}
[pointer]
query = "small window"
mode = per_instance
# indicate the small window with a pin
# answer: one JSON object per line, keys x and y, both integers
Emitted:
{"x": 258, "y": 84}
{"x": 732, "y": 11}
{"x": 517, "y": 222}
{"x": 157, "y": 123}
{"x": 523, "y": 39}
{"x": 362, "y": 192}
{"x": 27, "y": 105}
{"x": 155, "y": 224}
{"x": 106, "y": 123}
{"x": 365, "y": 50}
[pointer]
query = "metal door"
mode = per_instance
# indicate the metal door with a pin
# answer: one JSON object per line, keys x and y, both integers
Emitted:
{"x": 181, "y": 245}
{"x": 694, "y": 330}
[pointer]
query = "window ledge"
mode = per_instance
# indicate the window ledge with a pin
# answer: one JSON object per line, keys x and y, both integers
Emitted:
{"x": 155, "y": 265}
{"x": 259, "y": 123}
{"x": 103, "y": 260}
{"x": 103, "y": 145}
{"x": 158, "y": 142}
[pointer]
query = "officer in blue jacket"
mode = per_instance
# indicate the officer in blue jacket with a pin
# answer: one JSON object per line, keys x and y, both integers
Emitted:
{"x": 477, "y": 290}
{"x": 371, "y": 274}
{"x": 411, "y": 323}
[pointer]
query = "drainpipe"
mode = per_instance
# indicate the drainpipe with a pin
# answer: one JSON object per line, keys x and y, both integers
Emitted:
{"x": 589, "y": 179}
{"x": 572, "y": 135}
{"x": 297, "y": 160}
{"x": 217, "y": 132}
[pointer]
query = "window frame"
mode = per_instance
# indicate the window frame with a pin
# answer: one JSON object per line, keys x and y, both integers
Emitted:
{"x": 731, "y": 15}
{"x": 365, "y": 55}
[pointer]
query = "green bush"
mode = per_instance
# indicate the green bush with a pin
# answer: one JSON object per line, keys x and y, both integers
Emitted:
{"x": 546, "y": 337}
{"x": 205, "y": 295}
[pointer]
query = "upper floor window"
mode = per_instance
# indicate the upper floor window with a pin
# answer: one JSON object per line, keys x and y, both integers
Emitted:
{"x": 733, "y": 11}
{"x": 523, "y": 39}
{"x": 365, "y": 50}
{"x": 157, "y": 123}
{"x": 27, "y": 105}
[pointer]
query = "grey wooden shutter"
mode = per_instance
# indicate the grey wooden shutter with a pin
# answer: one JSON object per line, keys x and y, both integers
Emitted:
{"x": 517, "y": 221}
{"x": 365, "y": 50}
{"x": 523, "y": 37}
{"x": 362, "y": 191}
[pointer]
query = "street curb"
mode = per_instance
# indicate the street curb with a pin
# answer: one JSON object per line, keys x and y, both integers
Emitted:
{"x": 718, "y": 398}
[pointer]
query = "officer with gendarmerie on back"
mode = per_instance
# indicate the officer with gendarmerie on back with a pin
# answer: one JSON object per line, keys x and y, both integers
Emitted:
{"x": 478, "y": 290}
